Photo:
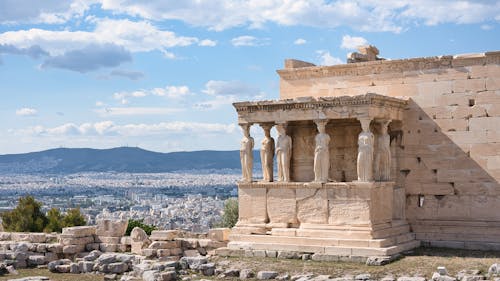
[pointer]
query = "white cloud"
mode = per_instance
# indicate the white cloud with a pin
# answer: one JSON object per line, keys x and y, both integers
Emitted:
{"x": 486, "y": 26}
{"x": 129, "y": 74}
{"x": 325, "y": 58}
{"x": 247, "y": 40}
{"x": 47, "y": 11}
{"x": 300, "y": 41}
{"x": 110, "y": 128}
{"x": 369, "y": 15}
{"x": 99, "y": 104}
{"x": 207, "y": 43}
{"x": 89, "y": 58}
{"x": 138, "y": 36}
{"x": 26, "y": 111}
{"x": 108, "y": 45}
{"x": 131, "y": 111}
{"x": 226, "y": 92}
{"x": 171, "y": 91}
{"x": 352, "y": 42}
{"x": 229, "y": 88}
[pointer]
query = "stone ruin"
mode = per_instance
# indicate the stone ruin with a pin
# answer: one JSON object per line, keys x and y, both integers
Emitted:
{"x": 104, "y": 249}
{"x": 373, "y": 158}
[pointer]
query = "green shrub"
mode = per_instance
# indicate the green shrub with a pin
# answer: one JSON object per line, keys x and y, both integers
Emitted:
{"x": 54, "y": 223}
{"x": 26, "y": 217}
{"x": 230, "y": 214}
{"x": 73, "y": 218}
{"x": 139, "y": 223}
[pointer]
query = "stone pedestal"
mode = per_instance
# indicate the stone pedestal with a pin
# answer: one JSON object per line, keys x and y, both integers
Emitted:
{"x": 335, "y": 218}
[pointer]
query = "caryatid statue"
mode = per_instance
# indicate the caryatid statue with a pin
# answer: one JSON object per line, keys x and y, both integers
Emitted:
{"x": 383, "y": 155}
{"x": 365, "y": 152}
{"x": 283, "y": 153}
{"x": 321, "y": 153}
{"x": 267, "y": 153}
{"x": 246, "y": 153}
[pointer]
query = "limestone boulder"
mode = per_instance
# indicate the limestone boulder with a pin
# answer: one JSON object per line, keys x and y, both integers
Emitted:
{"x": 266, "y": 275}
{"x": 219, "y": 234}
{"x": 164, "y": 235}
{"x": 79, "y": 231}
{"x": 111, "y": 228}
{"x": 138, "y": 235}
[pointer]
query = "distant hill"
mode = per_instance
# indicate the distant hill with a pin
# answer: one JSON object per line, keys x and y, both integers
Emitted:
{"x": 120, "y": 159}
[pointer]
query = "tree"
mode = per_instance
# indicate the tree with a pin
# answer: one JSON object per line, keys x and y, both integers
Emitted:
{"x": 139, "y": 223}
{"x": 230, "y": 215}
{"x": 26, "y": 217}
{"x": 54, "y": 223}
{"x": 73, "y": 218}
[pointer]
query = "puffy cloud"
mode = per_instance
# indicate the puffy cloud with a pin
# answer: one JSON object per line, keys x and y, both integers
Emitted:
{"x": 325, "y": 58}
{"x": 47, "y": 11}
{"x": 171, "y": 91}
{"x": 229, "y": 88}
{"x": 129, "y": 74}
{"x": 352, "y": 42}
{"x": 247, "y": 40}
{"x": 108, "y": 45}
{"x": 130, "y": 111}
{"x": 138, "y": 36}
{"x": 32, "y": 51}
{"x": 26, "y": 111}
{"x": 89, "y": 58}
{"x": 369, "y": 15}
{"x": 226, "y": 92}
{"x": 110, "y": 128}
{"x": 207, "y": 43}
{"x": 300, "y": 41}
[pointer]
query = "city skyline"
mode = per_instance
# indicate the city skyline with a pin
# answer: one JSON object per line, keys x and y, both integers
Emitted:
{"x": 162, "y": 75}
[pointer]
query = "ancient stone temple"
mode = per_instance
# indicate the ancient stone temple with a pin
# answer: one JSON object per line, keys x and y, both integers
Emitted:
{"x": 374, "y": 157}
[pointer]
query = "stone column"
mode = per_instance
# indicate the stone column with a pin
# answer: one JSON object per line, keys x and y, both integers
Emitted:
{"x": 267, "y": 153}
{"x": 365, "y": 152}
{"x": 246, "y": 153}
{"x": 283, "y": 153}
{"x": 321, "y": 152}
{"x": 383, "y": 153}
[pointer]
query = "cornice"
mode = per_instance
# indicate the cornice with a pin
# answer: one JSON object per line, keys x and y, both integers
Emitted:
{"x": 390, "y": 66}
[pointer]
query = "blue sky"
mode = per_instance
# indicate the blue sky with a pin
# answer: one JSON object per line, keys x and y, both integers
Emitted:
{"x": 162, "y": 74}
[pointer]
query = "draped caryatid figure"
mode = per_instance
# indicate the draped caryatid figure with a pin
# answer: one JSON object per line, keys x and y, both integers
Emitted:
{"x": 246, "y": 154}
{"x": 365, "y": 152}
{"x": 383, "y": 155}
{"x": 267, "y": 153}
{"x": 283, "y": 153}
{"x": 321, "y": 153}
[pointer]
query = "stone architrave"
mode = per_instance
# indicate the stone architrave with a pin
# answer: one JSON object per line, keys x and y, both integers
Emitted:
{"x": 267, "y": 153}
{"x": 321, "y": 153}
{"x": 383, "y": 155}
{"x": 246, "y": 153}
{"x": 283, "y": 153}
{"x": 365, "y": 152}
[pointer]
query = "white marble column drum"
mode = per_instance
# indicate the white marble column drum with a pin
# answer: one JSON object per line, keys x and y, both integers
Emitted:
{"x": 321, "y": 152}
{"x": 246, "y": 153}
{"x": 283, "y": 153}
{"x": 267, "y": 153}
{"x": 383, "y": 155}
{"x": 365, "y": 152}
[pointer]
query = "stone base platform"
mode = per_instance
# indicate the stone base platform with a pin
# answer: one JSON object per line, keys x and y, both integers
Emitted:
{"x": 337, "y": 241}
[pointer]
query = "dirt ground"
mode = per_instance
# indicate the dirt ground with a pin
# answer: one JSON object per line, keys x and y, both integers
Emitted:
{"x": 420, "y": 262}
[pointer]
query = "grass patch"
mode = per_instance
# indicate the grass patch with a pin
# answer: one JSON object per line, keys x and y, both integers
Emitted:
{"x": 53, "y": 276}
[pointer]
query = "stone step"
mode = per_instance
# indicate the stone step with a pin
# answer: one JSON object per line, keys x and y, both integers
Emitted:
{"x": 329, "y": 250}
{"x": 319, "y": 241}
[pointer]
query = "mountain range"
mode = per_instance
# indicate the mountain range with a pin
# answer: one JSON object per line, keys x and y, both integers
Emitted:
{"x": 120, "y": 159}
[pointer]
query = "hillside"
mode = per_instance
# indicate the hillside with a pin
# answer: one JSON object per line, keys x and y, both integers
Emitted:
{"x": 120, "y": 159}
